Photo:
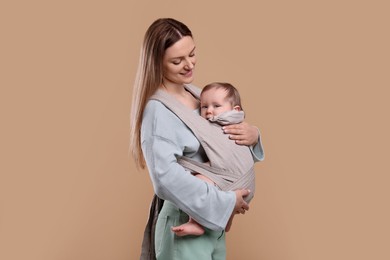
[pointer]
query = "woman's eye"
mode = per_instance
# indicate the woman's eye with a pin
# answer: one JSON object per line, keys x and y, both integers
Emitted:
{"x": 176, "y": 62}
{"x": 192, "y": 54}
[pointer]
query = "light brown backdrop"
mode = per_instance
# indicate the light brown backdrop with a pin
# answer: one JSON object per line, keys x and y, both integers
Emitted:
{"x": 313, "y": 75}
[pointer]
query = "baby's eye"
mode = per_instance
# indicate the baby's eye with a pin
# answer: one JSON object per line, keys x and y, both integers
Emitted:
{"x": 203, "y": 107}
{"x": 192, "y": 54}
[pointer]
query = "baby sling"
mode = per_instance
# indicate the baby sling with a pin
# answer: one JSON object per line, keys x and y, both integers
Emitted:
{"x": 230, "y": 167}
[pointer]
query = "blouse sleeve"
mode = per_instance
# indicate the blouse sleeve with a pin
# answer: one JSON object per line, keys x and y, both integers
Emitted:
{"x": 257, "y": 150}
{"x": 162, "y": 142}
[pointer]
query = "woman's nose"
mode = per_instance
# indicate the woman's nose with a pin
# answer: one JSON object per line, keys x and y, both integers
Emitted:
{"x": 189, "y": 64}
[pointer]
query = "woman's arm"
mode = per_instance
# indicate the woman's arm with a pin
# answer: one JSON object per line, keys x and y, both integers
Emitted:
{"x": 162, "y": 140}
{"x": 246, "y": 134}
{"x": 243, "y": 133}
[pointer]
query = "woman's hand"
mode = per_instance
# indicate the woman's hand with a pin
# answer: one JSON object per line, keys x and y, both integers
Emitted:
{"x": 241, "y": 206}
{"x": 243, "y": 133}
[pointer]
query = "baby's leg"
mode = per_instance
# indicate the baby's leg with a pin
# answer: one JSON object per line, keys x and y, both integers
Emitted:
{"x": 191, "y": 227}
{"x": 230, "y": 222}
{"x": 204, "y": 178}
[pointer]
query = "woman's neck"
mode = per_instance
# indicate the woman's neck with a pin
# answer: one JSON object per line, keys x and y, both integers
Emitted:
{"x": 181, "y": 94}
{"x": 174, "y": 89}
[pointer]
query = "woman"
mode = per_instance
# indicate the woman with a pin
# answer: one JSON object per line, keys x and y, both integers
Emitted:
{"x": 157, "y": 136}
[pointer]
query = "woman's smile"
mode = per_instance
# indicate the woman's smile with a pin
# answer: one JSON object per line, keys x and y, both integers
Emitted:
{"x": 187, "y": 73}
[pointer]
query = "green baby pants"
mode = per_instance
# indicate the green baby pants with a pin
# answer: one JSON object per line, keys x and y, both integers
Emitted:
{"x": 209, "y": 246}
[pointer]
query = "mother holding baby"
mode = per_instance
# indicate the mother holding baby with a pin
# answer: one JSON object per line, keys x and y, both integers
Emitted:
{"x": 158, "y": 137}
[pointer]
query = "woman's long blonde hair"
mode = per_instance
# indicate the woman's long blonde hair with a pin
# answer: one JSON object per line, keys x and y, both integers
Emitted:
{"x": 161, "y": 35}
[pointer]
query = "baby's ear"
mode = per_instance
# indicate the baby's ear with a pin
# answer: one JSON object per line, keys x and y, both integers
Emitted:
{"x": 237, "y": 108}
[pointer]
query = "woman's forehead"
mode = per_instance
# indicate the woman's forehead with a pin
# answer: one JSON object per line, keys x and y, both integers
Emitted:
{"x": 181, "y": 48}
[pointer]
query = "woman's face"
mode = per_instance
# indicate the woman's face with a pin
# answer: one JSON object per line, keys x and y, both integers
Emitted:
{"x": 179, "y": 61}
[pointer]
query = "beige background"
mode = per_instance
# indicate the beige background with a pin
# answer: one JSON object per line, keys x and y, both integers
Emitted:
{"x": 313, "y": 75}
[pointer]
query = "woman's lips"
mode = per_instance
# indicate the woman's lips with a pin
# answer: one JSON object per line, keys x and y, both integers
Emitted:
{"x": 187, "y": 73}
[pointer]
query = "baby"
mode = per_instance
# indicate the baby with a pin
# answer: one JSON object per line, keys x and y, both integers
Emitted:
{"x": 220, "y": 103}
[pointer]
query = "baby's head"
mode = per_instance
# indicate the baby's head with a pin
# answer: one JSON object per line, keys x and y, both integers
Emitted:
{"x": 217, "y": 98}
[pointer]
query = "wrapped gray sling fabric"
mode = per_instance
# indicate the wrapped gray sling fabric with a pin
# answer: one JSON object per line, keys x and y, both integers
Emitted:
{"x": 231, "y": 166}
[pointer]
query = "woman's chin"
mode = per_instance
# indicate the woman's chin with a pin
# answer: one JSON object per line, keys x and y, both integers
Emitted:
{"x": 188, "y": 80}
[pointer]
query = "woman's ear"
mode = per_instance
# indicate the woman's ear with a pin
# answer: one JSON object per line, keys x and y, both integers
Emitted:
{"x": 237, "y": 108}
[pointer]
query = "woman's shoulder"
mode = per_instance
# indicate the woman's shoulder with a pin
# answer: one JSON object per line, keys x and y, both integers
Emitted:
{"x": 156, "y": 112}
{"x": 155, "y": 108}
{"x": 158, "y": 120}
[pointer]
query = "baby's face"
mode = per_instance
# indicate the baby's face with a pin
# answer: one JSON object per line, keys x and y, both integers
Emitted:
{"x": 214, "y": 102}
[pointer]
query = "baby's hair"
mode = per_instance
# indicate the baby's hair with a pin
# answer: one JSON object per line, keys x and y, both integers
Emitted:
{"x": 231, "y": 92}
